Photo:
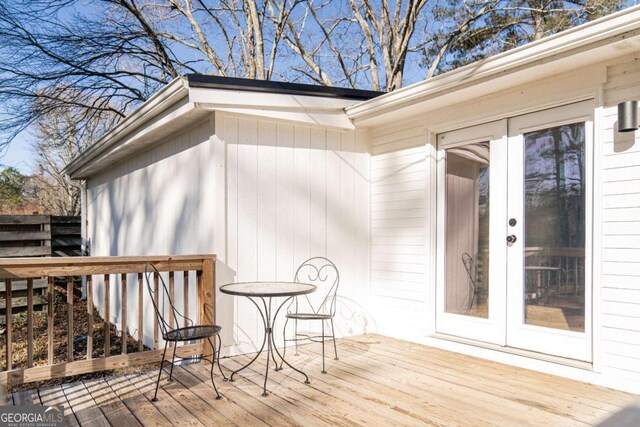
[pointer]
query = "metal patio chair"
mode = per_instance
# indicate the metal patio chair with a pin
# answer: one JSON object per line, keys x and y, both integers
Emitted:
{"x": 174, "y": 333}
{"x": 472, "y": 274}
{"x": 323, "y": 273}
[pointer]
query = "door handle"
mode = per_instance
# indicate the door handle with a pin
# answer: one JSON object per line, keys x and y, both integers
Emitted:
{"x": 511, "y": 239}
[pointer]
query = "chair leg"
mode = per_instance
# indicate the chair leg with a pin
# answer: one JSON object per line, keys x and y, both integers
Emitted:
{"x": 333, "y": 334}
{"x": 173, "y": 360}
{"x": 164, "y": 353}
{"x": 213, "y": 360}
{"x": 323, "y": 369}
{"x": 220, "y": 366}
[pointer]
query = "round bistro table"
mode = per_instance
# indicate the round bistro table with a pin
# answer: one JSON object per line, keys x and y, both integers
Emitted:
{"x": 264, "y": 292}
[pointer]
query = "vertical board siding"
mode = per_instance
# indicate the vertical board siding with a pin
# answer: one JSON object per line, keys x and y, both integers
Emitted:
{"x": 291, "y": 195}
{"x": 399, "y": 281}
{"x": 154, "y": 203}
{"x": 621, "y": 229}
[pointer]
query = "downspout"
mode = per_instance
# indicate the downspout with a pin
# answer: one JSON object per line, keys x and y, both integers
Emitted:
{"x": 85, "y": 245}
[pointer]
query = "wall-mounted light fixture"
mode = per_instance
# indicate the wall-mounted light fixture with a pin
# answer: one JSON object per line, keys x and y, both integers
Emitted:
{"x": 628, "y": 116}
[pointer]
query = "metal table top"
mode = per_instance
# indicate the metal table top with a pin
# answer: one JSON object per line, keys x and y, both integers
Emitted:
{"x": 267, "y": 289}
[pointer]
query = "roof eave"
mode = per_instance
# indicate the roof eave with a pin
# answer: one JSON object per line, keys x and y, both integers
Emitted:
{"x": 611, "y": 27}
{"x": 160, "y": 101}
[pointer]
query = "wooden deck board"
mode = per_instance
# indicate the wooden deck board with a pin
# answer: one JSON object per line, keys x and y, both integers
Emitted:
{"x": 225, "y": 406}
{"x": 26, "y": 398}
{"x": 453, "y": 400}
{"x": 54, "y": 396}
{"x": 110, "y": 404}
{"x": 136, "y": 402}
{"x": 287, "y": 386}
{"x": 495, "y": 392}
{"x": 83, "y": 406}
{"x": 377, "y": 381}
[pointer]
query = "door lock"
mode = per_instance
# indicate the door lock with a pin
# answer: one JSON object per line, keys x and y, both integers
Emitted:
{"x": 511, "y": 239}
{"x": 513, "y": 222}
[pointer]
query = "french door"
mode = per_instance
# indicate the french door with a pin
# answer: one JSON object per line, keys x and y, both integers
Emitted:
{"x": 513, "y": 208}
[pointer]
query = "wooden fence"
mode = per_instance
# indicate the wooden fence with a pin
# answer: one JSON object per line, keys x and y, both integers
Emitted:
{"x": 39, "y": 235}
{"x": 66, "y": 236}
{"x": 36, "y": 236}
{"x": 111, "y": 271}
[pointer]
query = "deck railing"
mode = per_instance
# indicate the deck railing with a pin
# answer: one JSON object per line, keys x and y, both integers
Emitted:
{"x": 105, "y": 273}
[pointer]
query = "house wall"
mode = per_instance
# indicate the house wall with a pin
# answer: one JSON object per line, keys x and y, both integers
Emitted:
{"x": 292, "y": 192}
{"x": 399, "y": 264}
{"x": 403, "y": 226}
{"x": 157, "y": 202}
{"x": 620, "y": 333}
{"x": 261, "y": 195}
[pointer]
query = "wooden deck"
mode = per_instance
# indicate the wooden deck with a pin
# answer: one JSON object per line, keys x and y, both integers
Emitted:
{"x": 377, "y": 381}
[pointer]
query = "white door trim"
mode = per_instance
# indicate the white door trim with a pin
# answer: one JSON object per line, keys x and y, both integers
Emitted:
{"x": 491, "y": 329}
{"x": 568, "y": 344}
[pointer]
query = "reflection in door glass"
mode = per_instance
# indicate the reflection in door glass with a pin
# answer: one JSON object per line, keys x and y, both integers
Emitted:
{"x": 467, "y": 230}
{"x": 554, "y": 200}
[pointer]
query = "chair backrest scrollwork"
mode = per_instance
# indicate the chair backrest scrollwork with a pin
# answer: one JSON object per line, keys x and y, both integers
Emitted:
{"x": 323, "y": 273}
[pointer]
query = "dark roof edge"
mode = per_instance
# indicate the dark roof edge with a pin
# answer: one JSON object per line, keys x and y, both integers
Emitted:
{"x": 234, "y": 83}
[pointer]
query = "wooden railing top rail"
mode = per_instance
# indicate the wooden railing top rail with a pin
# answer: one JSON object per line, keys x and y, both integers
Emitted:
{"x": 21, "y": 268}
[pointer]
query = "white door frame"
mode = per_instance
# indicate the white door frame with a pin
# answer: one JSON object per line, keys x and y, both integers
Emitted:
{"x": 504, "y": 325}
{"x": 568, "y": 344}
{"x": 491, "y": 329}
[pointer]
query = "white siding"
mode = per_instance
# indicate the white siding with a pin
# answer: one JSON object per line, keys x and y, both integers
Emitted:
{"x": 294, "y": 192}
{"x": 621, "y": 230}
{"x": 156, "y": 203}
{"x": 399, "y": 281}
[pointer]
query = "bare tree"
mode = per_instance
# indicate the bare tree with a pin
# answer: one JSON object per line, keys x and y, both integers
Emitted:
{"x": 366, "y": 44}
{"x": 104, "y": 60}
{"x": 475, "y": 29}
{"x": 59, "y": 138}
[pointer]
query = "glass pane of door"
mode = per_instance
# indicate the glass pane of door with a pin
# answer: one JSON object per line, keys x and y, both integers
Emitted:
{"x": 554, "y": 246}
{"x": 467, "y": 230}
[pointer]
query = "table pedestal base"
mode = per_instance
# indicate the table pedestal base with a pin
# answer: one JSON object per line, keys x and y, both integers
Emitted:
{"x": 268, "y": 340}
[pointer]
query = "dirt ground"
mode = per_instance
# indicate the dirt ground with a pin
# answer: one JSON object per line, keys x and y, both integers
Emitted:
{"x": 60, "y": 331}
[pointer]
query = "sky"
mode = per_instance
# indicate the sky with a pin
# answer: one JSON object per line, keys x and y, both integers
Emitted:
{"x": 19, "y": 155}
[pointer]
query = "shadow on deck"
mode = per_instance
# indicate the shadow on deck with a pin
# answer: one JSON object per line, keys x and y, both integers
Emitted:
{"x": 377, "y": 381}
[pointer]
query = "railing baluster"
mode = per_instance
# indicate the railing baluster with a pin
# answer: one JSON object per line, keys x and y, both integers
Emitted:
{"x": 107, "y": 329}
{"x": 90, "y": 317}
{"x": 206, "y": 298}
{"x": 155, "y": 318}
{"x": 185, "y": 300}
{"x": 50, "y": 309}
{"x": 8, "y": 311}
{"x": 172, "y": 299}
{"x": 140, "y": 313}
{"x": 123, "y": 314}
{"x": 29, "y": 323}
{"x": 70, "y": 318}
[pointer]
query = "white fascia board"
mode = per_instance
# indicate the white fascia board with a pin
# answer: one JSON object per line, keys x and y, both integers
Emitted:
{"x": 621, "y": 26}
{"x": 222, "y": 98}
{"x": 159, "y": 102}
{"x": 141, "y": 138}
{"x": 173, "y": 119}
{"x": 336, "y": 120}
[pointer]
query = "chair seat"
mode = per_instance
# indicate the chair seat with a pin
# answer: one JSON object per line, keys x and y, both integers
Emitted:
{"x": 192, "y": 333}
{"x": 308, "y": 316}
